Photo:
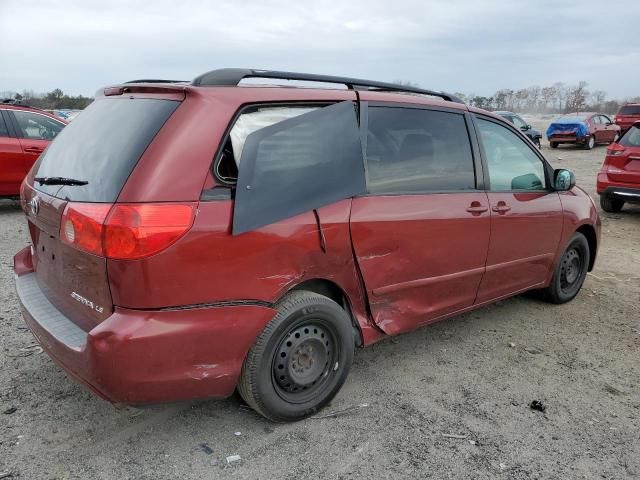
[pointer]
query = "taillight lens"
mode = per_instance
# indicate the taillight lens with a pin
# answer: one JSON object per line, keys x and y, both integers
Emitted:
{"x": 615, "y": 149}
{"x": 140, "y": 230}
{"x": 125, "y": 231}
{"x": 82, "y": 226}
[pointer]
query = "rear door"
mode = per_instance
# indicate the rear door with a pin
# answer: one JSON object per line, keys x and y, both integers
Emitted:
{"x": 421, "y": 233}
{"x": 526, "y": 216}
{"x": 101, "y": 147}
{"x": 11, "y": 158}
{"x": 35, "y": 131}
{"x": 609, "y": 127}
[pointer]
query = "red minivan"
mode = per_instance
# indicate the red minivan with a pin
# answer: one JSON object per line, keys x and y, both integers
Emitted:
{"x": 619, "y": 177}
{"x": 193, "y": 238}
{"x": 24, "y": 134}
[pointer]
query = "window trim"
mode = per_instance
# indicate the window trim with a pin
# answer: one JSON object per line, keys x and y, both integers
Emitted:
{"x": 4, "y": 119}
{"x": 18, "y": 129}
{"x": 478, "y": 169}
{"x": 547, "y": 168}
{"x": 242, "y": 109}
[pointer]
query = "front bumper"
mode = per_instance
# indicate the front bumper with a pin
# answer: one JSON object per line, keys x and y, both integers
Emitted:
{"x": 141, "y": 357}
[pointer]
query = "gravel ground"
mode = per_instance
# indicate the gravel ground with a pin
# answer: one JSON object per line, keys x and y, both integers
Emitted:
{"x": 472, "y": 376}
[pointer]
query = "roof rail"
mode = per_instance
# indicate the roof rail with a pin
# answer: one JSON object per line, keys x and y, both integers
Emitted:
{"x": 233, "y": 76}
{"x": 156, "y": 80}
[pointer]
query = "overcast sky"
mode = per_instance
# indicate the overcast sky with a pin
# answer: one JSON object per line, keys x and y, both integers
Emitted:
{"x": 470, "y": 46}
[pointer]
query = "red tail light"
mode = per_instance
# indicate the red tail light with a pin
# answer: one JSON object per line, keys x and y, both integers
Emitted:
{"x": 125, "y": 231}
{"x": 615, "y": 149}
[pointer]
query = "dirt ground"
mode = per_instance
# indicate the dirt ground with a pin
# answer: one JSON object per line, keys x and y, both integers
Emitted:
{"x": 460, "y": 377}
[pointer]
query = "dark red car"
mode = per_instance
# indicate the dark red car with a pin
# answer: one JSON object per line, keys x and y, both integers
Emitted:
{"x": 24, "y": 133}
{"x": 627, "y": 116}
{"x": 194, "y": 238}
{"x": 619, "y": 177}
{"x": 582, "y": 128}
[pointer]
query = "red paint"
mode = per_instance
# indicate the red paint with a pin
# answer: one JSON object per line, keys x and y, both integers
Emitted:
{"x": 177, "y": 323}
{"x": 624, "y": 120}
{"x": 621, "y": 168}
{"x": 17, "y": 155}
{"x": 601, "y": 132}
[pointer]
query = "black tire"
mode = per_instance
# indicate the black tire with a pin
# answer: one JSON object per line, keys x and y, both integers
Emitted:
{"x": 590, "y": 143}
{"x": 536, "y": 141}
{"x": 300, "y": 360}
{"x": 610, "y": 204}
{"x": 553, "y": 144}
{"x": 570, "y": 271}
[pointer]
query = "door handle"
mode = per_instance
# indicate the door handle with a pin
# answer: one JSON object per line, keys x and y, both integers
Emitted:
{"x": 33, "y": 149}
{"x": 475, "y": 207}
{"x": 501, "y": 208}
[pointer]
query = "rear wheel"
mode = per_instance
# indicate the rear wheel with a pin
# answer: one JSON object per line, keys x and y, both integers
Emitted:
{"x": 590, "y": 143}
{"x": 300, "y": 360}
{"x": 610, "y": 204}
{"x": 553, "y": 144}
{"x": 570, "y": 271}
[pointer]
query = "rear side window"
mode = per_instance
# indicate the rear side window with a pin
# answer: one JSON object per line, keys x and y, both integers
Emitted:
{"x": 630, "y": 110}
{"x": 34, "y": 126}
{"x": 299, "y": 164}
{"x": 102, "y": 146}
{"x": 410, "y": 150}
{"x": 631, "y": 138}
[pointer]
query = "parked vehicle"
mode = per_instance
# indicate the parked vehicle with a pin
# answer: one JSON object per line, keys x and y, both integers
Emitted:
{"x": 534, "y": 135}
{"x": 191, "y": 238}
{"x": 582, "y": 128}
{"x": 627, "y": 116}
{"x": 619, "y": 177}
{"x": 24, "y": 133}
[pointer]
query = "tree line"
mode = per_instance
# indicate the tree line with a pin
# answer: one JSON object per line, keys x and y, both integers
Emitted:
{"x": 56, "y": 99}
{"x": 556, "y": 99}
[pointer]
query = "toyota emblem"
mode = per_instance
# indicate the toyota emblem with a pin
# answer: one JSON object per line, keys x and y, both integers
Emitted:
{"x": 35, "y": 206}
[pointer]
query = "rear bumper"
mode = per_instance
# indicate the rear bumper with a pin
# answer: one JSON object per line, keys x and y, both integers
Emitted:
{"x": 139, "y": 357}
{"x": 567, "y": 139}
{"x": 629, "y": 192}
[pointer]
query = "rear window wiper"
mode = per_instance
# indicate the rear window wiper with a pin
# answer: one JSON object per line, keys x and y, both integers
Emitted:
{"x": 59, "y": 181}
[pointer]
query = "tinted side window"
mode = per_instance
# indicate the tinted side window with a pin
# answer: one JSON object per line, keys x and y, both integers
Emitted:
{"x": 631, "y": 138}
{"x": 297, "y": 165}
{"x": 512, "y": 164}
{"x": 412, "y": 150}
{"x": 37, "y": 127}
{"x": 3, "y": 128}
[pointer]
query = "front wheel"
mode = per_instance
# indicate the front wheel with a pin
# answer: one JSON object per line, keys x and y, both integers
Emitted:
{"x": 570, "y": 271}
{"x": 553, "y": 144}
{"x": 300, "y": 360}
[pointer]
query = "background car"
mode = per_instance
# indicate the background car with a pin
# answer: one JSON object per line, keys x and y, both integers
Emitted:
{"x": 628, "y": 115}
{"x": 582, "y": 128}
{"x": 619, "y": 177}
{"x": 519, "y": 122}
{"x": 24, "y": 134}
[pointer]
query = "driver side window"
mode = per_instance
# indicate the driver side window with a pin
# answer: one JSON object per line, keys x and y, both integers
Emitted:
{"x": 512, "y": 164}
{"x": 37, "y": 127}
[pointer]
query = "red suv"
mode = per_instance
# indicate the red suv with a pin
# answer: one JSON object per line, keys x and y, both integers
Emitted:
{"x": 628, "y": 115}
{"x": 194, "y": 238}
{"x": 24, "y": 133}
{"x": 619, "y": 177}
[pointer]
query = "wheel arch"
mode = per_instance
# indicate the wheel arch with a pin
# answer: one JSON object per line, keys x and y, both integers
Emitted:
{"x": 590, "y": 233}
{"x": 332, "y": 290}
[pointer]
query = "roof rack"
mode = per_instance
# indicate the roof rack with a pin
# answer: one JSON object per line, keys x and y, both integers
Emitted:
{"x": 156, "y": 80}
{"x": 233, "y": 76}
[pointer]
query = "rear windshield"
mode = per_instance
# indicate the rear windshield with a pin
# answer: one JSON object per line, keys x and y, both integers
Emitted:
{"x": 102, "y": 146}
{"x": 631, "y": 138}
{"x": 630, "y": 110}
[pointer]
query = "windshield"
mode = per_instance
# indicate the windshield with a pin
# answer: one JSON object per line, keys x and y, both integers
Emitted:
{"x": 101, "y": 147}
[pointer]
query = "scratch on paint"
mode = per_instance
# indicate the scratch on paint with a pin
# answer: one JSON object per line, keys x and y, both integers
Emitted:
{"x": 369, "y": 257}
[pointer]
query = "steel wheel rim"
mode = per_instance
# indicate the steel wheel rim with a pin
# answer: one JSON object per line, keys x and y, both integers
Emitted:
{"x": 304, "y": 361}
{"x": 571, "y": 269}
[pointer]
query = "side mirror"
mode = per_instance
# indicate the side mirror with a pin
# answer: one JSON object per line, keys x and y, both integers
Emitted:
{"x": 563, "y": 180}
{"x": 524, "y": 128}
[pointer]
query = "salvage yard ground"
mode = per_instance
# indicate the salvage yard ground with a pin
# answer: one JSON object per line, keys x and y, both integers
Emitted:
{"x": 447, "y": 401}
